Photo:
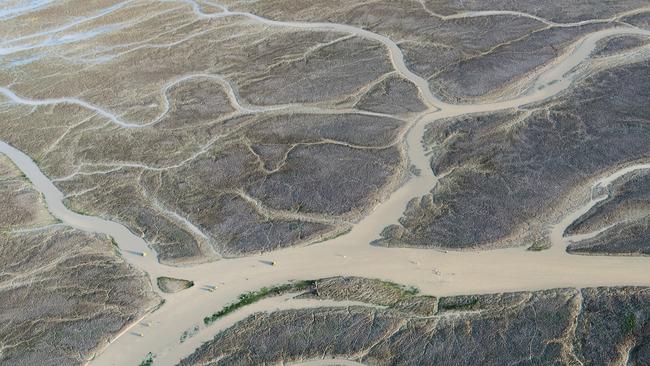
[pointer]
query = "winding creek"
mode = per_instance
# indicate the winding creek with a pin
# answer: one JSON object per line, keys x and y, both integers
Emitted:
{"x": 434, "y": 272}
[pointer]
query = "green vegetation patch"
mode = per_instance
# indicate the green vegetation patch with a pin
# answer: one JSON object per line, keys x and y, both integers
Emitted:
{"x": 540, "y": 245}
{"x": 628, "y": 324}
{"x": 148, "y": 361}
{"x": 471, "y": 304}
{"x": 116, "y": 248}
{"x": 406, "y": 291}
{"x": 254, "y": 296}
{"x": 189, "y": 333}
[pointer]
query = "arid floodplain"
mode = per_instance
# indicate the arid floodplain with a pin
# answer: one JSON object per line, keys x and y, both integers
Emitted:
{"x": 276, "y": 182}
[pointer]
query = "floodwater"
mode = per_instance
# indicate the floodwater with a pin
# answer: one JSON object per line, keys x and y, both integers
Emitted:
{"x": 434, "y": 272}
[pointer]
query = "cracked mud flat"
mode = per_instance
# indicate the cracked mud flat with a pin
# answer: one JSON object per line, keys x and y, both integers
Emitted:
{"x": 193, "y": 132}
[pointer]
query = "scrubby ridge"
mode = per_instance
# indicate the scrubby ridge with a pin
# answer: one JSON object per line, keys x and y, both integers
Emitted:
{"x": 561, "y": 326}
